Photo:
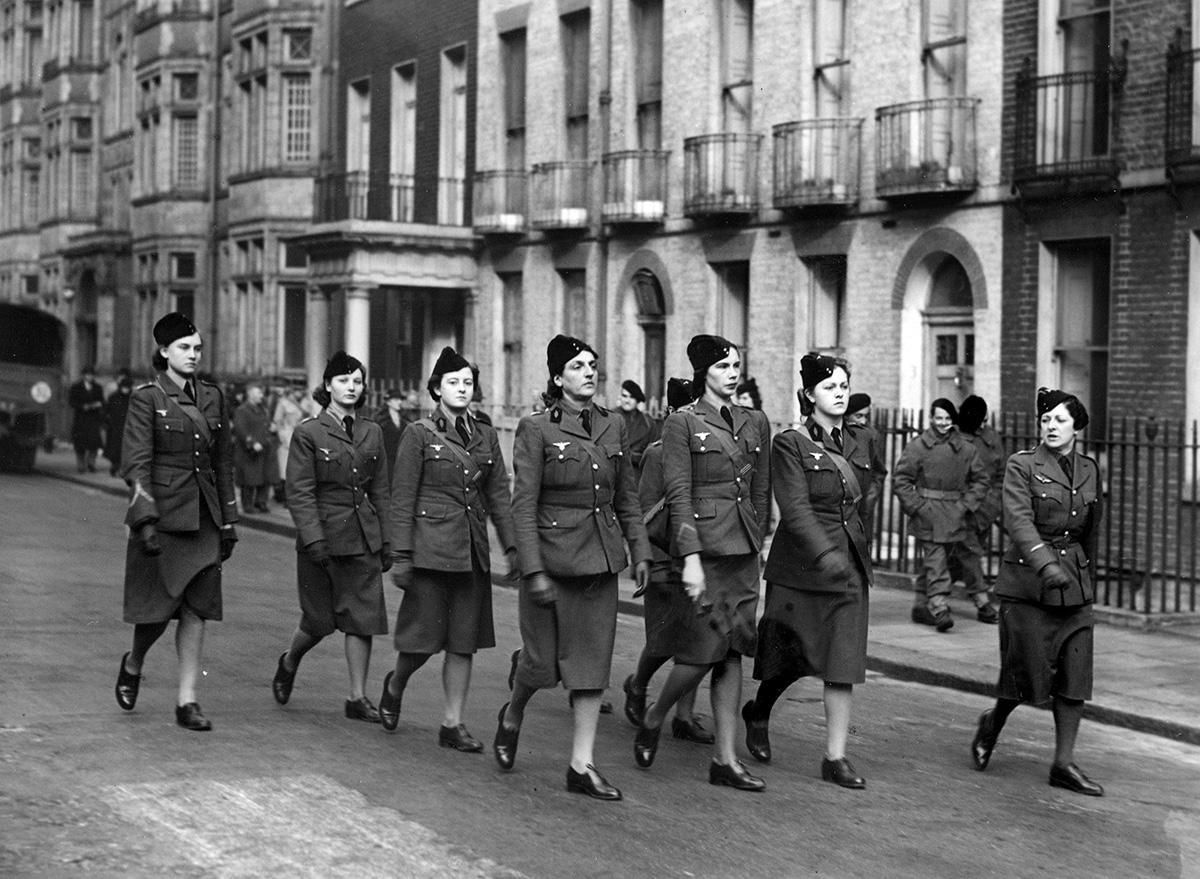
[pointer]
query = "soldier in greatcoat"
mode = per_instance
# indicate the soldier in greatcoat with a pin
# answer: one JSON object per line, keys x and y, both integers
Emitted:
{"x": 1053, "y": 508}
{"x": 178, "y": 462}
{"x": 449, "y": 477}
{"x": 338, "y": 497}
{"x": 575, "y": 506}
{"x": 717, "y": 473}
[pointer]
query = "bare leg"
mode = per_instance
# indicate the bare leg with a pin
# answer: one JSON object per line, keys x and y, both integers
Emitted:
{"x": 189, "y": 645}
{"x": 456, "y": 678}
{"x": 1067, "y": 714}
{"x": 358, "y": 660}
{"x": 586, "y": 707}
{"x": 685, "y": 708}
{"x": 726, "y": 695}
{"x": 838, "y": 699}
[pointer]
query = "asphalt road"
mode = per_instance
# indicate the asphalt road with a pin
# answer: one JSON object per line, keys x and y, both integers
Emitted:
{"x": 86, "y": 789}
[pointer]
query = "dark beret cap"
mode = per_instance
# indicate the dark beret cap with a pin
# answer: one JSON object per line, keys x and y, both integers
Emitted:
{"x": 679, "y": 392}
{"x": 857, "y": 403}
{"x": 342, "y": 363}
{"x": 1048, "y": 399}
{"x": 703, "y": 351}
{"x": 815, "y": 368}
{"x": 449, "y": 361}
{"x": 171, "y": 327}
{"x": 562, "y": 349}
{"x": 634, "y": 390}
{"x": 971, "y": 413}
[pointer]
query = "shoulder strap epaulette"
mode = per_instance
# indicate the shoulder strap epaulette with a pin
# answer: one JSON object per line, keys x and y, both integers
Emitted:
{"x": 1026, "y": 451}
{"x": 145, "y": 385}
{"x": 602, "y": 410}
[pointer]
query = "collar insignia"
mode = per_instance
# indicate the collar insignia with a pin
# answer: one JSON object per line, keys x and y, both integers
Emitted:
{"x": 703, "y": 435}
{"x": 562, "y": 447}
{"x": 162, "y": 412}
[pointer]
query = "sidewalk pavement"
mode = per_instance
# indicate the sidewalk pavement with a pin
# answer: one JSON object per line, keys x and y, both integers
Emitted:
{"x": 1146, "y": 679}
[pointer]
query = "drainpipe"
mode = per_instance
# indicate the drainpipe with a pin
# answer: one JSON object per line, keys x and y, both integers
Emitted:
{"x": 214, "y": 176}
{"x": 602, "y": 233}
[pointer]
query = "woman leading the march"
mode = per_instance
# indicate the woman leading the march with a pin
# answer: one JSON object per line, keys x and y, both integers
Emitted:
{"x": 449, "y": 476}
{"x": 178, "y": 460}
{"x": 819, "y": 570}
{"x": 1052, "y": 513}
{"x": 338, "y": 497}
{"x": 716, "y": 469}
{"x": 575, "y": 504}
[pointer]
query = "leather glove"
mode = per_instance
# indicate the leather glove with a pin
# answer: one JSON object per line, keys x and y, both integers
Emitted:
{"x": 833, "y": 564}
{"x": 641, "y": 577}
{"x": 148, "y": 534}
{"x": 385, "y": 557}
{"x": 228, "y": 539}
{"x": 318, "y": 551}
{"x": 541, "y": 590}
{"x": 514, "y": 568}
{"x": 402, "y": 568}
{"x": 1054, "y": 577}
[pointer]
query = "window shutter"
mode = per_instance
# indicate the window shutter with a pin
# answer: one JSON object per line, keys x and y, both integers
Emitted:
{"x": 649, "y": 51}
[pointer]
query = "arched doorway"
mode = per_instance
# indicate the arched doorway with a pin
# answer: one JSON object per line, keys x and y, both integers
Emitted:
{"x": 950, "y": 331}
{"x": 652, "y": 318}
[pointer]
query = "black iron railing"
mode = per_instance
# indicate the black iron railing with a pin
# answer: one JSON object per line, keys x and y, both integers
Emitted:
{"x": 720, "y": 174}
{"x": 500, "y": 202}
{"x": 558, "y": 194}
{"x": 1062, "y": 125}
{"x": 1182, "y": 130}
{"x": 635, "y": 186}
{"x": 926, "y": 147}
{"x": 817, "y": 162}
{"x": 364, "y": 195}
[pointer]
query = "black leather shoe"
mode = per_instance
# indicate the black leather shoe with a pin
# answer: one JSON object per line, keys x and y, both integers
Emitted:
{"x": 635, "y": 702}
{"x": 645, "y": 745}
{"x": 459, "y": 739}
{"x": 190, "y": 716}
{"x": 841, "y": 772}
{"x": 984, "y": 742}
{"x": 734, "y": 775}
{"x": 606, "y": 708}
{"x": 362, "y": 709}
{"x": 592, "y": 783}
{"x": 389, "y": 705}
{"x": 512, "y": 669}
{"x": 1072, "y": 778}
{"x": 504, "y": 747}
{"x": 281, "y": 686}
{"x": 939, "y": 619}
{"x": 127, "y": 686}
{"x": 691, "y": 731}
{"x": 987, "y": 614}
{"x": 758, "y": 743}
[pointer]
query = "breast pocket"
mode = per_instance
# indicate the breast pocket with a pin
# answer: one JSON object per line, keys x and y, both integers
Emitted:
{"x": 1049, "y": 505}
{"x": 172, "y": 434}
{"x": 565, "y": 465}
{"x": 331, "y": 468}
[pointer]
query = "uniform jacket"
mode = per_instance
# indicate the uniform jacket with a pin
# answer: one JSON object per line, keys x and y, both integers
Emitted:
{"x": 574, "y": 495}
{"x": 252, "y": 424}
{"x": 177, "y": 458}
{"x": 1050, "y": 519}
{"x": 641, "y": 431}
{"x": 443, "y": 492}
{"x": 991, "y": 454}
{"x": 651, "y": 490}
{"x": 337, "y": 486}
{"x": 819, "y": 510}
{"x": 872, "y": 472}
{"x": 88, "y": 403}
{"x": 938, "y": 482}
{"x": 391, "y": 438}
{"x": 718, "y": 482}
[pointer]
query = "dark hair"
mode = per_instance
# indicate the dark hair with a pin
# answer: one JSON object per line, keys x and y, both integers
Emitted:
{"x": 806, "y": 405}
{"x": 158, "y": 361}
{"x": 750, "y": 386}
{"x": 553, "y": 392}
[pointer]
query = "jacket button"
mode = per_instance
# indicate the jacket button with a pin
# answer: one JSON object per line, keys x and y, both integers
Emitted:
{"x": 197, "y": 436}
{"x": 703, "y": 449}
{"x": 560, "y": 457}
{"x": 594, "y": 466}
{"x": 695, "y": 515}
{"x": 468, "y": 508}
{"x": 597, "y": 509}
{"x": 737, "y": 479}
{"x": 554, "y": 523}
{"x": 597, "y": 487}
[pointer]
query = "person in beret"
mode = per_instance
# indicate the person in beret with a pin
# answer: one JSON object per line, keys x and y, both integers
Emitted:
{"x": 941, "y": 482}
{"x": 1053, "y": 508}
{"x": 575, "y": 508}
{"x": 339, "y": 500}
{"x": 973, "y": 426}
{"x": 639, "y": 429}
{"x": 666, "y": 605}
{"x": 747, "y": 394}
{"x": 449, "y": 479}
{"x": 177, "y": 459}
{"x": 392, "y": 421}
{"x": 819, "y": 568}
{"x": 717, "y": 475}
{"x": 858, "y": 421}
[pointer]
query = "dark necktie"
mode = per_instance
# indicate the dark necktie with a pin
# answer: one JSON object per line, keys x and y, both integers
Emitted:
{"x": 837, "y": 438}
{"x": 460, "y": 425}
{"x": 189, "y": 391}
{"x": 348, "y": 421}
{"x": 586, "y": 417}
{"x": 728, "y": 416}
{"x": 1067, "y": 466}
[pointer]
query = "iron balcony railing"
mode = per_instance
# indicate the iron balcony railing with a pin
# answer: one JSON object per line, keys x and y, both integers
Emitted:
{"x": 1062, "y": 125}
{"x": 558, "y": 194}
{"x": 720, "y": 174}
{"x": 926, "y": 147}
{"x": 635, "y": 186}
{"x": 500, "y": 202}
{"x": 1183, "y": 116}
{"x": 392, "y": 198}
{"x": 817, "y": 162}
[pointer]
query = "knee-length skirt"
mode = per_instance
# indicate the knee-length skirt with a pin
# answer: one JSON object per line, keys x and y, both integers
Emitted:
{"x": 186, "y": 574}
{"x": 724, "y": 622}
{"x": 664, "y": 608}
{"x": 571, "y": 640}
{"x": 446, "y": 610}
{"x": 1045, "y": 652}
{"x": 345, "y": 596}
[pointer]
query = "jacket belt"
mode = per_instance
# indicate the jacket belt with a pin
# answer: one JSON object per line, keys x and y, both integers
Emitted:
{"x": 1062, "y": 542}
{"x": 575, "y": 497}
{"x": 939, "y": 495}
{"x": 727, "y": 490}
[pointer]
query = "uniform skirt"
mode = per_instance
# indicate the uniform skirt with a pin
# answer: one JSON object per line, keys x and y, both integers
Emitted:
{"x": 665, "y": 605}
{"x": 346, "y": 596}
{"x": 1045, "y": 652}
{"x": 186, "y": 574}
{"x": 571, "y": 640}
{"x": 446, "y": 610}
{"x": 708, "y": 634}
{"x": 817, "y": 634}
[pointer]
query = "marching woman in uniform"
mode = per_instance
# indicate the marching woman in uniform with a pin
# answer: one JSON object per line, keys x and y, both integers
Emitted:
{"x": 338, "y": 497}
{"x": 819, "y": 569}
{"x": 449, "y": 475}
{"x": 1052, "y": 513}
{"x": 178, "y": 460}
{"x": 716, "y": 467}
{"x": 574, "y": 499}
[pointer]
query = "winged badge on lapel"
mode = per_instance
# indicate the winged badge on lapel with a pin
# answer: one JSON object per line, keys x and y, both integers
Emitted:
{"x": 437, "y": 447}
{"x": 562, "y": 447}
{"x": 703, "y": 435}
{"x": 162, "y": 412}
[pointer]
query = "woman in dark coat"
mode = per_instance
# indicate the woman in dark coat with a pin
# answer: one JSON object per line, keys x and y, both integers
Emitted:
{"x": 640, "y": 430}
{"x": 818, "y": 571}
{"x": 115, "y": 409}
{"x": 338, "y": 497}
{"x": 86, "y": 399}
{"x": 449, "y": 477}
{"x": 575, "y": 505}
{"x": 254, "y": 458}
{"x": 178, "y": 462}
{"x": 716, "y": 467}
{"x": 1053, "y": 508}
